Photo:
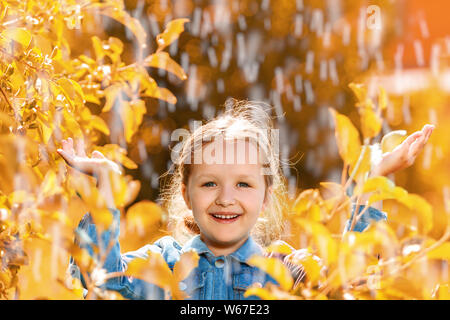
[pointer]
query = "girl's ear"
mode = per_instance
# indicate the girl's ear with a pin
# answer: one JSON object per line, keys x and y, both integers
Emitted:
{"x": 267, "y": 198}
{"x": 186, "y": 196}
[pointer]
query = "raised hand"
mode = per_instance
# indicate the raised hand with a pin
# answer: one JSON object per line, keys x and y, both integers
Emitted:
{"x": 77, "y": 159}
{"x": 404, "y": 154}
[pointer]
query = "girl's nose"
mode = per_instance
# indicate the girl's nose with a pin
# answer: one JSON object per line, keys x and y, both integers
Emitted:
{"x": 225, "y": 197}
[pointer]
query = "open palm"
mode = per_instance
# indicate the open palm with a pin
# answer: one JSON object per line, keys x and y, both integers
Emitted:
{"x": 404, "y": 154}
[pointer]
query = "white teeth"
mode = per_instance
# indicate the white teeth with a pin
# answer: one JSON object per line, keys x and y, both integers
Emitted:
{"x": 224, "y": 217}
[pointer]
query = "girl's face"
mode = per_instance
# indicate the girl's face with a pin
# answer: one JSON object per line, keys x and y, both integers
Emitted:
{"x": 226, "y": 198}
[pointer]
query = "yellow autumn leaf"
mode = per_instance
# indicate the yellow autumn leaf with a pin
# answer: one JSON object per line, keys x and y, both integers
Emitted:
{"x": 382, "y": 99}
{"x": 162, "y": 60}
{"x": 363, "y": 165}
{"x": 360, "y": 91}
{"x": 20, "y": 35}
{"x": 132, "y": 114}
{"x": 442, "y": 252}
{"x": 49, "y": 185}
{"x": 321, "y": 237}
{"x": 382, "y": 189}
{"x": 183, "y": 267}
{"x": 118, "y": 154}
{"x": 153, "y": 269}
{"x": 275, "y": 268}
{"x": 171, "y": 33}
{"x": 111, "y": 93}
{"x": 279, "y": 246}
{"x": 347, "y": 138}
{"x": 262, "y": 293}
{"x": 124, "y": 18}
{"x": 371, "y": 122}
{"x": 410, "y": 210}
{"x": 442, "y": 292}
{"x": 81, "y": 256}
{"x": 99, "y": 124}
{"x": 160, "y": 93}
{"x": 391, "y": 140}
{"x": 143, "y": 217}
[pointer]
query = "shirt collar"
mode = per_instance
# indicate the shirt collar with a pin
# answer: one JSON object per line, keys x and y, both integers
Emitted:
{"x": 242, "y": 254}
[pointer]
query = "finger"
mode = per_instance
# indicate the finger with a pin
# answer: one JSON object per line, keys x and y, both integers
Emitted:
{"x": 411, "y": 138}
{"x": 80, "y": 148}
{"x": 66, "y": 156}
{"x": 417, "y": 146}
{"x": 98, "y": 155}
{"x": 429, "y": 128}
{"x": 68, "y": 146}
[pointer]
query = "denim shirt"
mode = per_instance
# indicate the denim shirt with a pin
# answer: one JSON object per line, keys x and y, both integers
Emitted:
{"x": 215, "y": 278}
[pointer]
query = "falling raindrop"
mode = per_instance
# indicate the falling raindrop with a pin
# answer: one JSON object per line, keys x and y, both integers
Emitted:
{"x": 434, "y": 58}
{"x": 298, "y": 25}
{"x": 208, "y": 112}
{"x": 279, "y": 79}
{"x": 154, "y": 27}
{"x": 165, "y": 138}
{"x": 241, "y": 22}
{"x": 327, "y": 35}
{"x": 398, "y": 59}
{"x": 379, "y": 59}
{"x": 265, "y": 4}
{"x": 212, "y": 57}
{"x": 154, "y": 180}
{"x": 206, "y": 27}
{"x": 196, "y": 21}
{"x": 241, "y": 49}
{"x": 297, "y": 103}
{"x": 433, "y": 116}
{"x": 424, "y": 28}
{"x": 142, "y": 150}
{"x": 317, "y": 22}
{"x": 298, "y": 83}
{"x": 406, "y": 110}
{"x": 220, "y": 85}
{"x": 226, "y": 55}
{"x": 309, "y": 91}
{"x": 309, "y": 68}
{"x": 267, "y": 23}
{"x": 276, "y": 102}
{"x": 292, "y": 187}
{"x": 323, "y": 70}
{"x": 346, "y": 32}
{"x": 427, "y": 153}
{"x": 418, "y": 49}
{"x": 333, "y": 71}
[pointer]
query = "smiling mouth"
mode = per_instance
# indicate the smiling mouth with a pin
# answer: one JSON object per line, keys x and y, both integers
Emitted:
{"x": 225, "y": 218}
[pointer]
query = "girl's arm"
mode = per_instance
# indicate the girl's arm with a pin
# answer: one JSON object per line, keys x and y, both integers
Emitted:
{"x": 87, "y": 237}
{"x": 403, "y": 156}
{"x": 107, "y": 245}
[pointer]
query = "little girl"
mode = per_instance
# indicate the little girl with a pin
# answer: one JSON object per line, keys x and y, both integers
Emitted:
{"x": 225, "y": 201}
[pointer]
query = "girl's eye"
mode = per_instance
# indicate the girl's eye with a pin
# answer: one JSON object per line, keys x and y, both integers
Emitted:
{"x": 243, "y": 184}
{"x": 209, "y": 184}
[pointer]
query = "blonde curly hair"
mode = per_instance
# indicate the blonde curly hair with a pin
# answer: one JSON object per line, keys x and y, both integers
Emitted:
{"x": 244, "y": 120}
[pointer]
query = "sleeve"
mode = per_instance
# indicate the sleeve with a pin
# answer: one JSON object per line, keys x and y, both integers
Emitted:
{"x": 370, "y": 215}
{"x": 86, "y": 237}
